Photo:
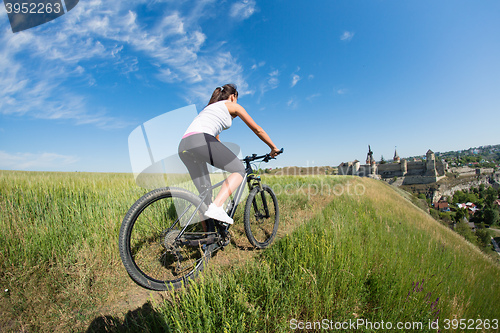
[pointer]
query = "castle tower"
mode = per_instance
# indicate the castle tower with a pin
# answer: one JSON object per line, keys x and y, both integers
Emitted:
{"x": 430, "y": 164}
{"x": 355, "y": 167}
{"x": 369, "y": 156}
{"x": 396, "y": 156}
{"x": 430, "y": 155}
{"x": 370, "y": 161}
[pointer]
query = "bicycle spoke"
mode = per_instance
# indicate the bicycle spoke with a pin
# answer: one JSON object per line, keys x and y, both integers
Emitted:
{"x": 261, "y": 217}
{"x": 155, "y": 246}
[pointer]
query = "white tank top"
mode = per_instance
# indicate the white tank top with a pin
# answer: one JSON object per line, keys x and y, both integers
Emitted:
{"x": 211, "y": 120}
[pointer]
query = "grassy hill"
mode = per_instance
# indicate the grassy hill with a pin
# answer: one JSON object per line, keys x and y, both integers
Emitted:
{"x": 350, "y": 250}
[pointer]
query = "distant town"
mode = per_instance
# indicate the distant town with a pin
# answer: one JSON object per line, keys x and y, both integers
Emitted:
{"x": 480, "y": 157}
{"x": 460, "y": 189}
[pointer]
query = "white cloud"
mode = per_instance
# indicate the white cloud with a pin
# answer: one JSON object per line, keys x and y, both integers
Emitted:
{"x": 35, "y": 66}
{"x": 260, "y": 64}
{"x": 222, "y": 69}
{"x": 39, "y": 161}
{"x": 292, "y": 103}
{"x": 341, "y": 91}
{"x": 295, "y": 79}
{"x": 243, "y": 10}
{"x": 273, "y": 80}
{"x": 347, "y": 35}
{"x": 172, "y": 25}
{"x": 312, "y": 97}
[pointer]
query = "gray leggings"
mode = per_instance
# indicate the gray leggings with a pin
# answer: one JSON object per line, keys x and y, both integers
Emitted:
{"x": 199, "y": 149}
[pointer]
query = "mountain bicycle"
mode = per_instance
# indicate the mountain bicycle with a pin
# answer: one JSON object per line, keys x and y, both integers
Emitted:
{"x": 165, "y": 239}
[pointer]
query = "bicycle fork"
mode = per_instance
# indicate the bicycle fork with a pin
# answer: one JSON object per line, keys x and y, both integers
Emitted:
{"x": 261, "y": 191}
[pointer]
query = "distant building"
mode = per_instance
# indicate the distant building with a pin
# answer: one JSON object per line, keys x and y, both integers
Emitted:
{"x": 396, "y": 156}
{"x": 471, "y": 207}
{"x": 442, "y": 206}
{"x": 496, "y": 203}
{"x": 413, "y": 172}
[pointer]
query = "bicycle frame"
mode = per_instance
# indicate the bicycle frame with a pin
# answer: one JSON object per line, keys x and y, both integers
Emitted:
{"x": 250, "y": 176}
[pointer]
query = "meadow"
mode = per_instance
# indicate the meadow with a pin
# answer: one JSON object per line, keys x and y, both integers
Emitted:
{"x": 348, "y": 250}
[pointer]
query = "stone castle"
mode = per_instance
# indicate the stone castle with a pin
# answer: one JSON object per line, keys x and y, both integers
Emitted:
{"x": 427, "y": 171}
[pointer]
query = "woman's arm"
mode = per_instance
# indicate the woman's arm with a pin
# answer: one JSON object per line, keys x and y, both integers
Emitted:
{"x": 237, "y": 110}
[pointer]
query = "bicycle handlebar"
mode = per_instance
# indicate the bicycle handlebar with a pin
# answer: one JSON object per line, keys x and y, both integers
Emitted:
{"x": 265, "y": 157}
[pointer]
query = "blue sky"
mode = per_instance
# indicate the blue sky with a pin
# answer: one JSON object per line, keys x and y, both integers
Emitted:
{"x": 323, "y": 78}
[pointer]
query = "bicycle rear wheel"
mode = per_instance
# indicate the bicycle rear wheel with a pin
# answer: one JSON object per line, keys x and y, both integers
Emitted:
{"x": 261, "y": 216}
{"x": 154, "y": 252}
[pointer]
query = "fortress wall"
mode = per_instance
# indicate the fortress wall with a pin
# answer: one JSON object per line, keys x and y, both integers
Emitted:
{"x": 344, "y": 170}
{"x": 416, "y": 165}
{"x": 347, "y": 170}
{"x": 390, "y": 170}
{"x": 440, "y": 168}
{"x": 416, "y": 168}
{"x": 389, "y": 167}
{"x": 464, "y": 171}
{"x": 364, "y": 170}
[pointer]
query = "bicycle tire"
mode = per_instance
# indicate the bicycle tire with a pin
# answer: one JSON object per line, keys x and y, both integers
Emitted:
{"x": 260, "y": 227}
{"x": 146, "y": 241}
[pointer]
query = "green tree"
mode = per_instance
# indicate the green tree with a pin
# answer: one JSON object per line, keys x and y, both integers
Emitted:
{"x": 445, "y": 217}
{"x": 471, "y": 197}
{"x": 460, "y": 214}
{"x": 459, "y": 197}
{"x": 463, "y": 229}
{"x": 491, "y": 196}
{"x": 434, "y": 213}
{"x": 491, "y": 216}
{"x": 483, "y": 236}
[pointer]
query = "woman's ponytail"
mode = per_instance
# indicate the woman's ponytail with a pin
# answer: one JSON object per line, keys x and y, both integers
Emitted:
{"x": 215, "y": 95}
{"x": 223, "y": 93}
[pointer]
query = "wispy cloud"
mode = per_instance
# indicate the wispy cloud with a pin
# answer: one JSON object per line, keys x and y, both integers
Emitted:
{"x": 31, "y": 161}
{"x": 295, "y": 77}
{"x": 34, "y": 67}
{"x": 310, "y": 98}
{"x": 273, "y": 79}
{"x": 260, "y": 64}
{"x": 342, "y": 91}
{"x": 271, "y": 82}
{"x": 292, "y": 103}
{"x": 243, "y": 10}
{"x": 347, "y": 36}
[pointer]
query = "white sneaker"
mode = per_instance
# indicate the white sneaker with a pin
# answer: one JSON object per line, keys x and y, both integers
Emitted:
{"x": 218, "y": 213}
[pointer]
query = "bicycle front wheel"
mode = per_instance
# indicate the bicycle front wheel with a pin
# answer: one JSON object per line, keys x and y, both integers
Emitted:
{"x": 154, "y": 251}
{"x": 261, "y": 216}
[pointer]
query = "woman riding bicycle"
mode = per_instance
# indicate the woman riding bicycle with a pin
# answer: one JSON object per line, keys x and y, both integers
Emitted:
{"x": 200, "y": 145}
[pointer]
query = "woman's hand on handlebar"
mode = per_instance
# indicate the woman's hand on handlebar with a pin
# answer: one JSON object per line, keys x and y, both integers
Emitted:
{"x": 274, "y": 152}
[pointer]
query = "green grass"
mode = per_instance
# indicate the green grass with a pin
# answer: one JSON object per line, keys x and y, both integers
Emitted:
{"x": 366, "y": 253}
{"x": 369, "y": 257}
{"x": 58, "y": 244}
